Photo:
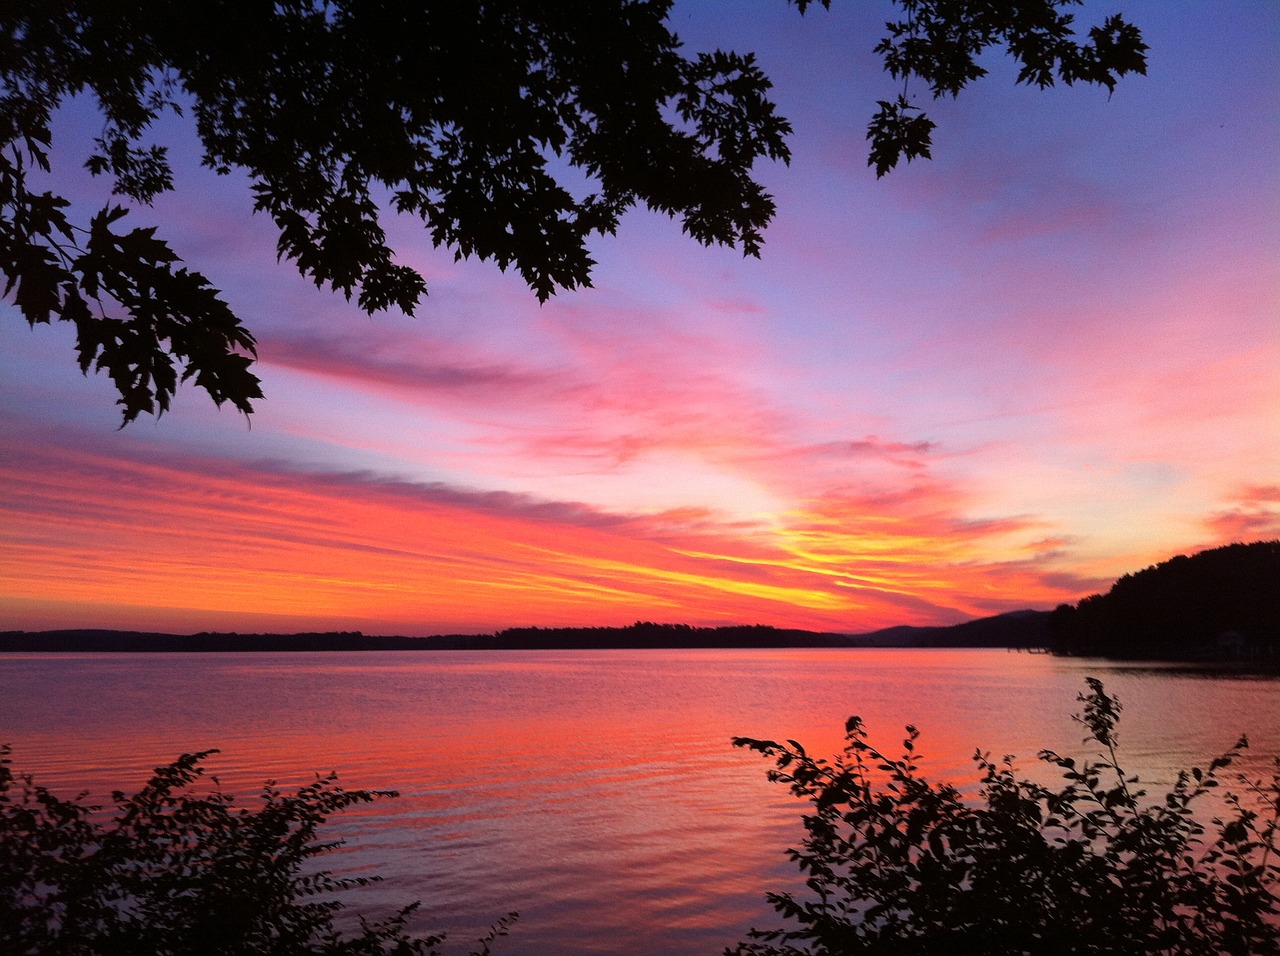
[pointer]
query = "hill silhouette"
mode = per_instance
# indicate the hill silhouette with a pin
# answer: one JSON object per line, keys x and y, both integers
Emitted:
{"x": 1016, "y": 629}
{"x": 1220, "y": 604}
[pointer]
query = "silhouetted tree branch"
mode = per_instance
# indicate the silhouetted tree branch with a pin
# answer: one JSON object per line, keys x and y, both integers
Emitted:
{"x": 515, "y": 131}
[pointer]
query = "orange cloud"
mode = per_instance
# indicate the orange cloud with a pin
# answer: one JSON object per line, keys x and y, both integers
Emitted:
{"x": 184, "y": 538}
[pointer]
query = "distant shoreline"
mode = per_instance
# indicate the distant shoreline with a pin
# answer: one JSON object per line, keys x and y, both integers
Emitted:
{"x": 1018, "y": 629}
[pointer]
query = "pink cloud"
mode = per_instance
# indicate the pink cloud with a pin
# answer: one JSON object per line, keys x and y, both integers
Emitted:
{"x": 1253, "y": 515}
{"x": 104, "y": 526}
{"x": 396, "y": 367}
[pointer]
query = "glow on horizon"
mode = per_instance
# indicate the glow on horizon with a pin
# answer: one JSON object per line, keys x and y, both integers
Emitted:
{"x": 227, "y": 542}
{"x": 991, "y": 381}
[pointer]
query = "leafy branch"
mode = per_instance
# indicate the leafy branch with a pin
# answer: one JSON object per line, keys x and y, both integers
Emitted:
{"x": 464, "y": 115}
{"x": 174, "y": 325}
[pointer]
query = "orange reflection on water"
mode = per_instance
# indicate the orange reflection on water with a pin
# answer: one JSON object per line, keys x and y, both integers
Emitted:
{"x": 596, "y": 792}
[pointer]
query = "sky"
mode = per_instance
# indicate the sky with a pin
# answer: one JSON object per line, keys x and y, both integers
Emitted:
{"x": 991, "y": 381}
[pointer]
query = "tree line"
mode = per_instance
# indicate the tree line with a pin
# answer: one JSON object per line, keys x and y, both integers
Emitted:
{"x": 1220, "y": 604}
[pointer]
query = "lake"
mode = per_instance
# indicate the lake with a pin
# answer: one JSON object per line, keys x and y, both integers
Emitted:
{"x": 595, "y": 792}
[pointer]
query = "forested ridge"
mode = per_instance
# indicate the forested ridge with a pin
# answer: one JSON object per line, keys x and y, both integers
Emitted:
{"x": 1220, "y": 604}
{"x": 1014, "y": 629}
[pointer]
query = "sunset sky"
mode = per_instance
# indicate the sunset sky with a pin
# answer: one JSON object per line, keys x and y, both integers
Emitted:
{"x": 992, "y": 381}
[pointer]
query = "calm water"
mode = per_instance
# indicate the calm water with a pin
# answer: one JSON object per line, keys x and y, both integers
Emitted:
{"x": 595, "y": 792}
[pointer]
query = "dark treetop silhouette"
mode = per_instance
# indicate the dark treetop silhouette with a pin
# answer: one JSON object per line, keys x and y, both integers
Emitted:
{"x": 466, "y": 114}
{"x": 1220, "y": 603}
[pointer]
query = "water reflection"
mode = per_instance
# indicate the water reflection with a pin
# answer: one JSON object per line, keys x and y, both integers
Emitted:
{"x": 595, "y": 792}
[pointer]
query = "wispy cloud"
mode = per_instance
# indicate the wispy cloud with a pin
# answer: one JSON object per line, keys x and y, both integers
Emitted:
{"x": 994, "y": 380}
{"x": 97, "y": 527}
{"x": 1252, "y": 513}
{"x": 352, "y": 361}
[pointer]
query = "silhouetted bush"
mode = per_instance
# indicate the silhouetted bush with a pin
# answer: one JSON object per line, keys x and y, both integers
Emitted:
{"x": 898, "y": 865}
{"x": 173, "y": 873}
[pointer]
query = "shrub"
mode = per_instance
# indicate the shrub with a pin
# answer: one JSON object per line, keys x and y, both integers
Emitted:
{"x": 173, "y": 873}
{"x": 896, "y": 864}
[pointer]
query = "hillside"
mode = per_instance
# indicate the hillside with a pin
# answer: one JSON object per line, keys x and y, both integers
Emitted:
{"x": 1221, "y": 604}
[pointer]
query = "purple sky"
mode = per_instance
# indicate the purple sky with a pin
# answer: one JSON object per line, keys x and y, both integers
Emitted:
{"x": 994, "y": 380}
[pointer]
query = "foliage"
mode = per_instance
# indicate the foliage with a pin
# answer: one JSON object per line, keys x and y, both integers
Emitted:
{"x": 1224, "y": 602}
{"x": 897, "y": 864}
{"x": 183, "y": 875}
{"x": 515, "y": 131}
{"x": 941, "y": 41}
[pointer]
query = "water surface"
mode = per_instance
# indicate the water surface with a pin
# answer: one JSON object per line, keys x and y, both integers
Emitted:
{"x": 595, "y": 792}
